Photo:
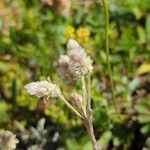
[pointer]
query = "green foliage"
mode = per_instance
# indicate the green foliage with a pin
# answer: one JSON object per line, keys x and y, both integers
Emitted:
{"x": 33, "y": 35}
{"x": 4, "y": 111}
{"x": 144, "y": 115}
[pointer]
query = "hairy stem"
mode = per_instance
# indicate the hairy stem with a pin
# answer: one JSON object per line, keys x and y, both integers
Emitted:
{"x": 106, "y": 11}
{"x": 89, "y": 127}
{"x": 84, "y": 95}
{"x": 88, "y": 81}
{"x": 69, "y": 106}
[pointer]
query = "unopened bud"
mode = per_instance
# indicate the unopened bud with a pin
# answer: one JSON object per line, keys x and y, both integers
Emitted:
{"x": 77, "y": 99}
{"x": 72, "y": 44}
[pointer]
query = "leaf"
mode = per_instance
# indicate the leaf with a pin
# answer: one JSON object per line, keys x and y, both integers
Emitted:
{"x": 116, "y": 141}
{"x": 87, "y": 146}
{"x": 137, "y": 12}
{"x": 142, "y": 108}
{"x": 72, "y": 145}
{"x": 4, "y": 115}
{"x": 144, "y": 68}
{"x": 40, "y": 124}
{"x": 141, "y": 34}
{"x": 145, "y": 129}
{"x": 105, "y": 138}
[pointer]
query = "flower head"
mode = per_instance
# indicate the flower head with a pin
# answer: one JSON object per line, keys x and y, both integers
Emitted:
{"x": 80, "y": 62}
{"x": 76, "y": 63}
{"x": 8, "y": 140}
{"x": 70, "y": 32}
{"x": 44, "y": 88}
{"x": 83, "y": 33}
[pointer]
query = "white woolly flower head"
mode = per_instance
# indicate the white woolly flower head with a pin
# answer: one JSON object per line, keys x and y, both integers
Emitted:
{"x": 75, "y": 64}
{"x": 43, "y": 88}
{"x": 8, "y": 140}
{"x": 80, "y": 62}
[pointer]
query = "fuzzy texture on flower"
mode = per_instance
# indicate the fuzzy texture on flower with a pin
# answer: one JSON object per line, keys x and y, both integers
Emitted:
{"x": 65, "y": 70}
{"x": 76, "y": 63}
{"x": 8, "y": 140}
{"x": 44, "y": 88}
{"x": 72, "y": 44}
{"x": 80, "y": 63}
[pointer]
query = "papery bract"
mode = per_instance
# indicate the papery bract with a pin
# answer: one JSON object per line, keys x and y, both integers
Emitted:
{"x": 43, "y": 88}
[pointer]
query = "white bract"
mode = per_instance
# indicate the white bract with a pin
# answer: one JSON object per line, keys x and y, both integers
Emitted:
{"x": 8, "y": 140}
{"x": 43, "y": 88}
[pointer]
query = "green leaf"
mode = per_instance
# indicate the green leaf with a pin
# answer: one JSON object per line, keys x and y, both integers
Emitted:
{"x": 105, "y": 138}
{"x": 144, "y": 68}
{"x": 142, "y": 108}
{"x": 145, "y": 129}
{"x": 141, "y": 34}
{"x": 72, "y": 145}
{"x": 116, "y": 141}
{"x": 87, "y": 146}
{"x": 4, "y": 115}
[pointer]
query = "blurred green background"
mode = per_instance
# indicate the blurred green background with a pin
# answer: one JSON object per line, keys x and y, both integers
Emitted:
{"x": 33, "y": 35}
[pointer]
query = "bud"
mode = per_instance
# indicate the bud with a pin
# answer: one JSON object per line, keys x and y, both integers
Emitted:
{"x": 8, "y": 140}
{"x": 77, "y": 99}
{"x": 72, "y": 44}
{"x": 44, "y": 88}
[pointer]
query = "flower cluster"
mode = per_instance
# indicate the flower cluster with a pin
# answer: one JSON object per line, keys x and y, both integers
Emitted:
{"x": 81, "y": 34}
{"x": 8, "y": 140}
{"x": 69, "y": 32}
{"x": 42, "y": 89}
{"x": 76, "y": 63}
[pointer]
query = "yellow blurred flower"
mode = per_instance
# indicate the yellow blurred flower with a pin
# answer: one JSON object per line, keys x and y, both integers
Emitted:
{"x": 70, "y": 32}
{"x": 83, "y": 35}
{"x": 83, "y": 32}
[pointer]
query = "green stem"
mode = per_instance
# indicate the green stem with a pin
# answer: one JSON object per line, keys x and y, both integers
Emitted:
{"x": 69, "y": 106}
{"x": 84, "y": 94}
{"x": 105, "y": 5}
{"x": 89, "y": 91}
